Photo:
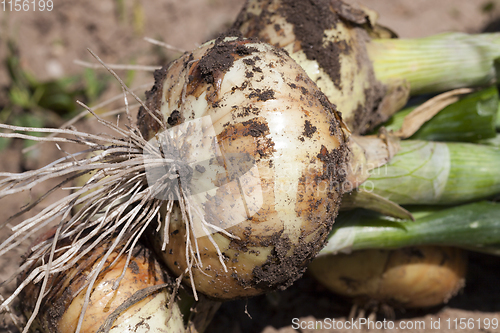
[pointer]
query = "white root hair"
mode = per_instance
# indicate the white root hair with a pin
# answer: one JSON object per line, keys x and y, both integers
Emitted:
{"x": 162, "y": 44}
{"x": 115, "y": 206}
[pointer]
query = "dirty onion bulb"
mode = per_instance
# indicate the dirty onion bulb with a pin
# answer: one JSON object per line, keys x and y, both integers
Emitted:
{"x": 120, "y": 306}
{"x": 255, "y": 153}
{"x": 329, "y": 40}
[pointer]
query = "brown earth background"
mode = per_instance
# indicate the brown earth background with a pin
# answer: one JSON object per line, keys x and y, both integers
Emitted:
{"x": 49, "y": 42}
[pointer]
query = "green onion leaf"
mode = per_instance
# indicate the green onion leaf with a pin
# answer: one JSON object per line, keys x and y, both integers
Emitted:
{"x": 475, "y": 226}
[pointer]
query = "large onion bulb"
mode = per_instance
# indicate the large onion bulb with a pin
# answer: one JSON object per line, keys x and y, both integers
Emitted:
{"x": 259, "y": 155}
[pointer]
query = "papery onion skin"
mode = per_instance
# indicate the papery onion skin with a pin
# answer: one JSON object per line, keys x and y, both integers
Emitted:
{"x": 61, "y": 308}
{"x": 413, "y": 277}
{"x": 264, "y": 106}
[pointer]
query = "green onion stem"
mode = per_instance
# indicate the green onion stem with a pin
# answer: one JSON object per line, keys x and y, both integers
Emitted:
{"x": 474, "y": 226}
{"x": 437, "y": 63}
{"x": 426, "y": 172}
{"x": 396, "y": 121}
{"x": 498, "y": 118}
{"x": 472, "y": 118}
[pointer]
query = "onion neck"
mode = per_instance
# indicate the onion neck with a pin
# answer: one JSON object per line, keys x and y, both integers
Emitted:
{"x": 437, "y": 63}
{"x": 365, "y": 154}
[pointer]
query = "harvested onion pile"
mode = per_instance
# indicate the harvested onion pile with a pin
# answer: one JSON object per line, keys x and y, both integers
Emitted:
{"x": 234, "y": 173}
{"x": 332, "y": 41}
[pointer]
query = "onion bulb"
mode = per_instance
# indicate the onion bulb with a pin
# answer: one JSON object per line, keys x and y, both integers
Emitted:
{"x": 257, "y": 155}
{"x": 413, "y": 277}
{"x": 61, "y": 307}
{"x": 329, "y": 40}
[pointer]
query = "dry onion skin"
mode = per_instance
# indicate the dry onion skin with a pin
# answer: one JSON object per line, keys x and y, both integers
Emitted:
{"x": 140, "y": 303}
{"x": 413, "y": 277}
{"x": 260, "y": 156}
